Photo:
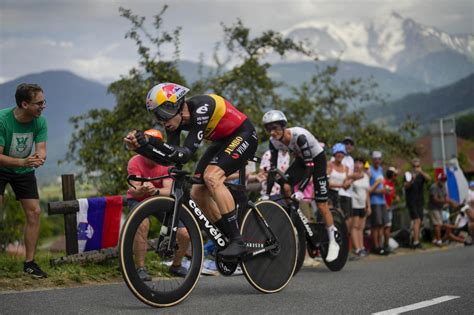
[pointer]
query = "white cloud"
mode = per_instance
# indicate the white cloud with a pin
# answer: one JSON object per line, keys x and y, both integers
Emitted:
{"x": 101, "y": 68}
{"x": 60, "y": 44}
{"x": 87, "y": 36}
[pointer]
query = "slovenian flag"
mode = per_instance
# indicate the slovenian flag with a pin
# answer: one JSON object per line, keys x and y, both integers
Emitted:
{"x": 98, "y": 222}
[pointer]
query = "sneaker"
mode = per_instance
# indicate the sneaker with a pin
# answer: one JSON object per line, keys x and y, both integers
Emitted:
{"x": 209, "y": 268}
{"x": 143, "y": 274}
{"x": 178, "y": 271}
{"x": 311, "y": 262}
{"x": 468, "y": 241}
{"x": 416, "y": 246}
{"x": 34, "y": 270}
{"x": 333, "y": 251}
{"x": 235, "y": 249}
{"x": 318, "y": 256}
{"x": 378, "y": 251}
{"x": 360, "y": 252}
{"x": 209, "y": 249}
{"x": 387, "y": 250}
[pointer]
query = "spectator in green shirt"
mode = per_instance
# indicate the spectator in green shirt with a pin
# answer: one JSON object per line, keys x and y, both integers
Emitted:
{"x": 22, "y": 126}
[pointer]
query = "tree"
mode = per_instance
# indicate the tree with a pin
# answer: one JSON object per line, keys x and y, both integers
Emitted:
{"x": 464, "y": 125}
{"x": 97, "y": 144}
{"x": 326, "y": 107}
{"x": 248, "y": 84}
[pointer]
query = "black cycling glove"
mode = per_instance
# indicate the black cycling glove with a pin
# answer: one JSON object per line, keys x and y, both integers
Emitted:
{"x": 141, "y": 137}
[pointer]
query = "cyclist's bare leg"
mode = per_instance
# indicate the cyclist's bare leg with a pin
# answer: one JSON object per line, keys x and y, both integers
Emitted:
{"x": 326, "y": 213}
{"x": 202, "y": 196}
{"x": 214, "y": 177}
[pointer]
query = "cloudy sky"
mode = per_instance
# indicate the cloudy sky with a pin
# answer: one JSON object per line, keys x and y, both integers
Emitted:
{"x": 87, "y": 37}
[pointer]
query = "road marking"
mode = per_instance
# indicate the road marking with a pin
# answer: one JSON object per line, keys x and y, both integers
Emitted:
{"x": 419, "y": 305}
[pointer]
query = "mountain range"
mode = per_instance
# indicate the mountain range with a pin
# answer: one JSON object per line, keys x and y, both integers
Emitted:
{"x": 450, "y": 100}
{"x": 392, "y": 42}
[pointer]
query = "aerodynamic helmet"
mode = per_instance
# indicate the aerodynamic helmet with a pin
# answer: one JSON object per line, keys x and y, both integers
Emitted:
{"x": 165, "y": 100}
{"x": 274, "y": 116}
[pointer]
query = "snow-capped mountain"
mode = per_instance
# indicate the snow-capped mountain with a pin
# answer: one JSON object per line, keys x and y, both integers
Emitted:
{"x": 391, "y": 42}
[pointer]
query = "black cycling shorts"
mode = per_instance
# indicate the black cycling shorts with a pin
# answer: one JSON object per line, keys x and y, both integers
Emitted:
{"x": 358, "y": 212}
{"x": 232, "y": 153}
{"x": 24, "y": 185}
{"x": 297, "y": 171}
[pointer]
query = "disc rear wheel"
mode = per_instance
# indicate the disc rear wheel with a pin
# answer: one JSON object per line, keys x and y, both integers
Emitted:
{"x": 271, "y": 271}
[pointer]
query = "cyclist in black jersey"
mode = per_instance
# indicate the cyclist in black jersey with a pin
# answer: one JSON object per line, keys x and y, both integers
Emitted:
{"x": 309, "y": 161}
{"x": 209, "y": 117}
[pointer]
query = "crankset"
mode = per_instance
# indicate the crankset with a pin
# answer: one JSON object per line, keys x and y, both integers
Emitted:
{"x": 225, "y": 268}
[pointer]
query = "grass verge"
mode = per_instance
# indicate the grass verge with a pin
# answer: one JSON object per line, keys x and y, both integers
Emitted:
{"x": 12, "y": 277}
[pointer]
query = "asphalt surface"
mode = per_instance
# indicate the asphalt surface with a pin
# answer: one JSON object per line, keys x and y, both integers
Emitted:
{"x": 363, "y": 287}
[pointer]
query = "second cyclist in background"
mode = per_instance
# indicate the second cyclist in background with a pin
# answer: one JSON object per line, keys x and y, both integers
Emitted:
{"x": 309, "y": 161}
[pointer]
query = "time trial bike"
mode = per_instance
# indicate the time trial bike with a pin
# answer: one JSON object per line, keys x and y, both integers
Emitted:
{"x": 313, "y": 236}
{"x": 266, "y": 228}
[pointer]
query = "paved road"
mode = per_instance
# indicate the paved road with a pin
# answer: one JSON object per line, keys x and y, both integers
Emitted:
{"x": 362, "y": 287}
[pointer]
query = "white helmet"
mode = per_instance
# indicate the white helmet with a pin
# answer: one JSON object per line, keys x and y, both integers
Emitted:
{"x": 274, "y": 116}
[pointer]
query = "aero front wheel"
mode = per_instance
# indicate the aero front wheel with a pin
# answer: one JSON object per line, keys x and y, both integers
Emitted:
{"x": 271, "y": 271}
{"x": 341, "y": 239}
{"x": 158, "y": 285}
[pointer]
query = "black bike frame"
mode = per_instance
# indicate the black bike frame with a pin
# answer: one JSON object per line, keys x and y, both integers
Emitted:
{"x": 293, "y": 206}
{"x": 180, "y": 191}
{"x": 311, "y": 233}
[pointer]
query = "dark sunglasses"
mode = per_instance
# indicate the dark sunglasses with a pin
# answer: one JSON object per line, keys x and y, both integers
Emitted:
{"x": 270, "y": 127}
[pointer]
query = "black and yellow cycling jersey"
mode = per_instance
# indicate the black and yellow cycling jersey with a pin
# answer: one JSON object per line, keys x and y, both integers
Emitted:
{"x": 212, "y": 118}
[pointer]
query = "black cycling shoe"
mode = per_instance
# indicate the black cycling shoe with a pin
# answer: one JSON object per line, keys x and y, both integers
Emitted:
{"x": 235, "y": 249}
{"x": 34, "y": 270}
{"x": 178, "y": 271}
